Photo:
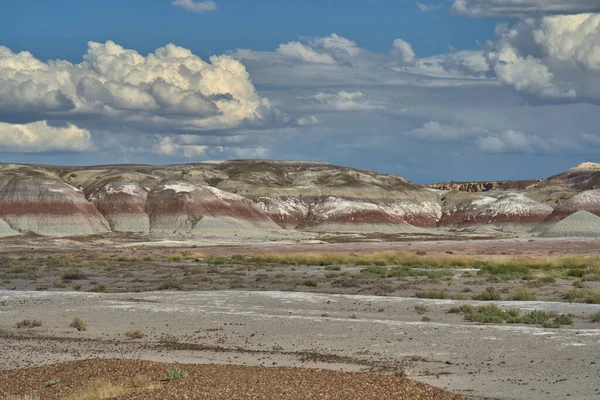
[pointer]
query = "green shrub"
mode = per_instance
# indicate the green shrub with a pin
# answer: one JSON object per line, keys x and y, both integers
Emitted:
{"x": 425, "y": 319}
{"x": 174, "y": 374}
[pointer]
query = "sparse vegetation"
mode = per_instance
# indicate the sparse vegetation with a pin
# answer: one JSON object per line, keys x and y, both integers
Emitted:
{"x": 489, "y": 294}
{"x": 523, "y": 294}
{"x": 311, "y": 283}
{"x": 78, "y": 324}
{"x": 135, "y": 334}
{"x": 99, "y": 288}
{"x": 29, "y": 323}
{"x": 52, "y": 382}
{"x": 174, "y": 374}
{"x": 97, "y": 389}
{"x": 432, "y": 294}
{"x": 590, "y": 296}
{"x": 425, "y": 319}
{"x": 492, "y": 314}
{"x": 595, "y": 317}
{"x": 421, "y": 308}
{"x": 169, "y": 339}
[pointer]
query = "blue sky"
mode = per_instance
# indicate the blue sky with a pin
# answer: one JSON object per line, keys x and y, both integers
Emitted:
{"x": 437, "y": 90}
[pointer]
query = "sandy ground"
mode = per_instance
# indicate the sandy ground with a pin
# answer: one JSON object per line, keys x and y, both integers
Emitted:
{"x": 312, "y": 330}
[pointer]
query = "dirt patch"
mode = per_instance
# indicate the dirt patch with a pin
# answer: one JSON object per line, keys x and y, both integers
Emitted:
{"x": 60, "y": 381}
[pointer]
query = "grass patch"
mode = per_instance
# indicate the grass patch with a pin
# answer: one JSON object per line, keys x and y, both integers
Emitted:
{"x": 404, "y": 272}
{"x": 595, "y": 317}
{"x": 29, "y": 323}
{"x": 589, "y": 296}
{"x": 311, "y": 283}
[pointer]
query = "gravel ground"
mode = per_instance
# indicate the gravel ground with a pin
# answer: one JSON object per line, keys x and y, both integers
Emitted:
{"x": 213, "y": 382}
{"x": 313, "y": 331}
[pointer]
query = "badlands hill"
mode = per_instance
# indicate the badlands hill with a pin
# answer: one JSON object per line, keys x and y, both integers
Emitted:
{"x": 253, "y": 197}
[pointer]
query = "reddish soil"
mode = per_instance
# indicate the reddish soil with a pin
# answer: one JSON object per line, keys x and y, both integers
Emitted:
{"x": 213, "y": 382}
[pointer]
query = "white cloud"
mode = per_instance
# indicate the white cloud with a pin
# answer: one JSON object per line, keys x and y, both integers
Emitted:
{"x": 428, "y": 7}
{"x": 40, "y": 137}
{"x": 168, "y": 147}
{"x": 434, "y": 130}
{"x": 523, "y": 8}
{"x": 553, "y": 59}
{"x": 514, "y": 141}
{"x": 403, "y": 51}
{"x": 344, "y": 101}
{"x": 183, "y": 146}
{"x": 305, "y": 53}
{"x": 336, "y": 43}
{"x": 195, "y": 6}
{"x": 308, "y": 120}
{"x": 170, "y": 88}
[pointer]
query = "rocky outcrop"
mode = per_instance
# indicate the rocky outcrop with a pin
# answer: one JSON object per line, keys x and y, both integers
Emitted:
{"x": 588, "y": 200}
{"x": 503, "y": 211}
{"x": 179, "y": 207}
{"x": 252, "y": 197}
{"x": 123, "y": 204}
{"x": 48, "y": 206}
{"x": 477, "y": 187}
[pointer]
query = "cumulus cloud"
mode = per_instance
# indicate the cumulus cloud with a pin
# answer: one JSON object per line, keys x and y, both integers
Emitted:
{"x": 168, "y": 147}
{"x": 336, "y": 43}
{"x": 344, "y": 101}
{"x": 308, "y": 120}
{"x": 436, "y": 131}
{"x": 551, "y": 59}
{"x": 170, "y": 88}
{"x": 40, "y": 137}
{"x": 184, "y": 146}
{"x": 523, "y": 8}
{"x": 304, "y": 53}
{"x": 403, "y": 51}
{"x": 195, "y": 6}
{"x": 514, "y": 141}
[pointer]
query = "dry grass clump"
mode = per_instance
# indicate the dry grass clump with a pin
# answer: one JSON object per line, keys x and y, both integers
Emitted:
{"x": 29, "y": 323}
{"x": 97, "y": 389}
{"x": 590, "y": 296}
{"x": 78, "y": 324}
{"x": 135, "y": 334}
{"x": 24, "y": 397}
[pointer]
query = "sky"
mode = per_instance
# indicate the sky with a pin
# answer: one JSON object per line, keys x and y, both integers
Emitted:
{"x": 436, "y": 90}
